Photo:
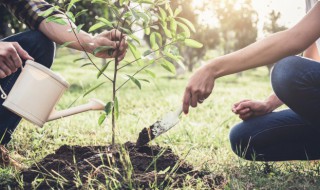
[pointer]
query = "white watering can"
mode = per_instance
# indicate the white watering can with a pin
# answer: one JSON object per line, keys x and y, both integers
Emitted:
{"x": 36, "y": 92}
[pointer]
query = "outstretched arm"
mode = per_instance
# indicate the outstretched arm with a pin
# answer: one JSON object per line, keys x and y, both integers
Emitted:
{"x": 263, "y": 52}
{"x": 30, "y": 13}
{"x": 63, "y": 33}
{"x": 251, "y": 108}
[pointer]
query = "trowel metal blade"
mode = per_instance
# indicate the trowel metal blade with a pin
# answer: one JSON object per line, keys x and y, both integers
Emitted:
{"x": 159, "y": 127}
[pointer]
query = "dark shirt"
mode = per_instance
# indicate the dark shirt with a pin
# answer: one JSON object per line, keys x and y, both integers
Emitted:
{"x": 28, "y": 11}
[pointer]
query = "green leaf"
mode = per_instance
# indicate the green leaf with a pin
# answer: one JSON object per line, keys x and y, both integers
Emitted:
{"x": 101, "y": 48}
{"x": 173, "y": 25}
{"x": 152, "y": 74}
{"x": 71, "y": 16}
{"x": 153, "y": 42}
{"x": 116, "y": 108}
{"x": 159, "y": 39}
{"x": 181, "y": 36}
{"x": 134, "y": 51}
{"x": 93, "y": 88}
{"x": 135, "y": 38}
{"x": 81, "y": 13}
{"x": 145, "y": 2}
{"x": 101, "y": 119}
{"x": 66, "y": 44}
{"x": 144, "y": 80}
{"x": 163, "y": 14}
{"x": 99, "y": 1}
{"x": 132, "y": 13}
{"x": 167, "y": 32}
{"x": 57, "y": 20}
{"x": 168, "y": 66}
{"x": 188, "y": 23}
{"x": 135, "y": 81}
{"x": 148, "y": 52}
{"x": 108, "y": 108}
{"x": 180, "y": 63}
{"x": 71, "y": 4}
{"x": 79, "y": 27}
{"x": 86, "y": 64}
{"x": 108, "y": 23}
{"x": 125, "y": 30}
{"x": 147, "y": 29}
{"x": 47, "y": 12}
{"x": 97, "y": 26}
{"x": 79, "y": 59}
{"x": 177, "y": 11}
{"x": 144, "y": 16}
{"x": 103, "y": 69}
{"x": 193, "y": 43}
{"x": 171, "y": 56}
{"x": 185, "y": 29}
{"x": 170, "y": 11}
{"x": 164, "y": 24}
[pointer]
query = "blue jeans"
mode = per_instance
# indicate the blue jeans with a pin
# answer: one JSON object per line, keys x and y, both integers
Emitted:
{"x": 42, "y": 50}
{"x": 292, "y": 134}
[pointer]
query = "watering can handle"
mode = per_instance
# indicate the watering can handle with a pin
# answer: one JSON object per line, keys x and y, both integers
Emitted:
{"x": 3, "y": 93}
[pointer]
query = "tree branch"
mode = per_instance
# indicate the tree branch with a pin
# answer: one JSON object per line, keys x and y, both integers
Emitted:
{"x": 74, "y": 32}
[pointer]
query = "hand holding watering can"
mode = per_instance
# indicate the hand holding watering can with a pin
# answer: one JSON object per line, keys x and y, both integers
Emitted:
{"x": 36, "y": 92}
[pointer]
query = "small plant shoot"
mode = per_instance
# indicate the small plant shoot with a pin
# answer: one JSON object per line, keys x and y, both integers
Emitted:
{"x": 155, "y": 18}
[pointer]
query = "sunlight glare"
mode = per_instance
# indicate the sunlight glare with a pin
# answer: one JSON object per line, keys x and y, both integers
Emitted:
{"x": 206, "y": 17}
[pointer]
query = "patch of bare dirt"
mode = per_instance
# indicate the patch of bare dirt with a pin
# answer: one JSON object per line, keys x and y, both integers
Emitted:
{"x": 121, "y": 167}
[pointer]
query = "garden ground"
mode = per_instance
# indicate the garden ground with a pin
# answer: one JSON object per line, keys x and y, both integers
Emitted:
{"x": 201, "y": 137}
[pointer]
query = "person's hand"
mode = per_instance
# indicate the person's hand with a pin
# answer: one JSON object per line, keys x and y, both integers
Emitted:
{"x": 249, "y": 108}
{"x": 11, "y": 54}
{"x": 111, "y": 38}
{"x": 199, "y": 88}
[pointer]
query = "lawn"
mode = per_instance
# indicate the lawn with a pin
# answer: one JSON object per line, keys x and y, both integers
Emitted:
{"x": 201, "y": 137}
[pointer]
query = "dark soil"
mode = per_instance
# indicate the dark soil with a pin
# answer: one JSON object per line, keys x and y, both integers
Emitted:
{"x": 145, "y": 136}
{"x": 123, "y": 167}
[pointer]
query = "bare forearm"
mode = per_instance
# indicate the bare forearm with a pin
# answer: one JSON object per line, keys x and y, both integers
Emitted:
{"x": 266, "y": 51}
{"x": 260, "y": 53}
{"x": 63, "y": 33}
{"x": 273, "y": 102}
{"x": 272, "y": 48}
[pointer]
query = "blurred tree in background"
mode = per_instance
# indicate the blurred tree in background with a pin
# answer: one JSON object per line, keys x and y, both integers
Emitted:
{"x": 273, "y": 26}
{"x": 232, "y": 24}
{"x": 9, "y": 24}
{"x": 238, "y": 24}
{"x": 207, "y": 34}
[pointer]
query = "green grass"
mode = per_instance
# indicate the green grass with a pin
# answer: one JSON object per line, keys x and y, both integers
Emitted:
{"x": 201, "y": 137}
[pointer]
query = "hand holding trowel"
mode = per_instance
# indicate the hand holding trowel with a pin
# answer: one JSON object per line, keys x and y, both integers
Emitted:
{"x": 169, "y": 120}
{"x": 159, "y": 127}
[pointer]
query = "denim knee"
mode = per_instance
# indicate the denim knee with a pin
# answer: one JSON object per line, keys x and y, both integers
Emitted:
{"x": 285, "y": 77}
{"x": 240, "y": 142}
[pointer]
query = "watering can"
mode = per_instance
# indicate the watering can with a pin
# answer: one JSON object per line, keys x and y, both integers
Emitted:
{"x": 37, "y": 91}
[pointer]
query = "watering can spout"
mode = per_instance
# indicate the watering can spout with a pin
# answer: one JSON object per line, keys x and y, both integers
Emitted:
{"x": 37, "y": 91}
{"x": 93, "y": 104}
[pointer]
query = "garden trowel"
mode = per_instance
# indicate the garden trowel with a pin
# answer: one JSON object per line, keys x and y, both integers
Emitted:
{"x": 161, "y": 126}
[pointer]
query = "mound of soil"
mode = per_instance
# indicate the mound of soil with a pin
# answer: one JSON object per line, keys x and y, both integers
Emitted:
{"x": 121, "y": 167}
